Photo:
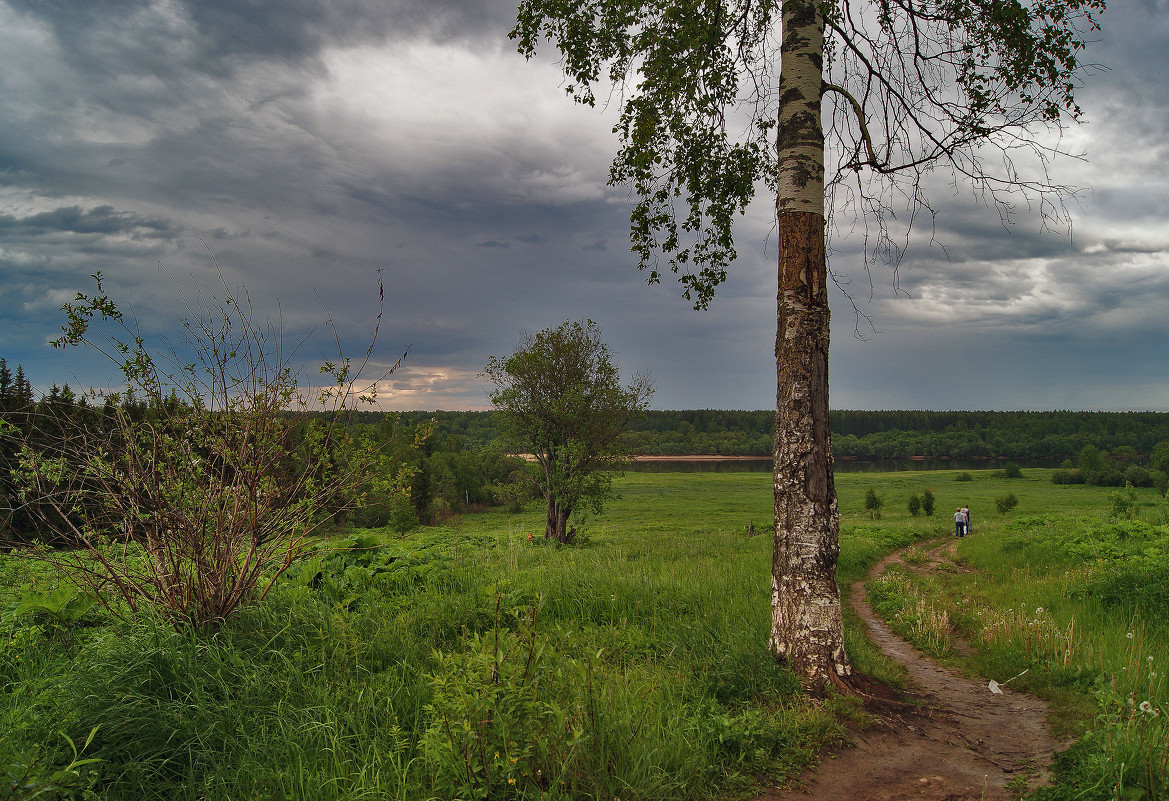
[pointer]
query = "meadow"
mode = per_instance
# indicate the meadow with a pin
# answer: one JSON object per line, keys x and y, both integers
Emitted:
{"x": 469, "y": 661}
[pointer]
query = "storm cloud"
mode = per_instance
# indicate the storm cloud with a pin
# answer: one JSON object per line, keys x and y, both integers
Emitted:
{"x": 310, "y": 149}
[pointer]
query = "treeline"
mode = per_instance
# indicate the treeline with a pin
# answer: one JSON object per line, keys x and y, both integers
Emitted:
{"x": 458, "y": 460}
{"x": 1054, "y": 436}
{"x": 425, "y": 473}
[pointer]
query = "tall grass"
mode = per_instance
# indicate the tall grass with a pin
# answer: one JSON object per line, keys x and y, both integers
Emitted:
{"x": 366, "y": 671}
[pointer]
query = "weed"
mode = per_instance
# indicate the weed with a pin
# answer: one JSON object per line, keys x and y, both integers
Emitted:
{"x": 919, "y": 619}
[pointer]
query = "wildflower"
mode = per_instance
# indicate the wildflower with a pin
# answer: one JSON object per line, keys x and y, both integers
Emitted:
{"x": 1146, "y": 706}
{"x": 1150, "y": 657}
{"x": 1129, "y": 635}
{"x": 511, "y": 780}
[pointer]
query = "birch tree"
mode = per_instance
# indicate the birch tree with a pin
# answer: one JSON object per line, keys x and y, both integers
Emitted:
{"x": 821, "y": 104}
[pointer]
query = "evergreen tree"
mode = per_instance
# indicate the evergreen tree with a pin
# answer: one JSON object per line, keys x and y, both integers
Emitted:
{"x": 5, "y": 383}
{"x": 22, "y": 394}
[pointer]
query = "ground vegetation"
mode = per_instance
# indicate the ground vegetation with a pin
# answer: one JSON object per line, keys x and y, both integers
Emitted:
{"x": 629, "y": 666}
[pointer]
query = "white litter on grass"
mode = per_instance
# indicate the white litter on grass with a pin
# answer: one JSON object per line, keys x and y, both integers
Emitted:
{"x": 996, "y": 688}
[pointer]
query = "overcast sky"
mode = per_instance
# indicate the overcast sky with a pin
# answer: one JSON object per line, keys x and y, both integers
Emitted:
{"x": 312, "y": 143}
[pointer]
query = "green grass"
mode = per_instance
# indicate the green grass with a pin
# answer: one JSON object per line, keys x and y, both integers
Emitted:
{"x": 1076, "y": 606}
{"x": 386, "y": 673}
{"x": 469, "y": 661}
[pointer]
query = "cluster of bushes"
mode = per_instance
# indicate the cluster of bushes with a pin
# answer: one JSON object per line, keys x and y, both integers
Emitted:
{"x": 443, "y": 475}
{"x": 917, "y": 504}
{"x": 1117, "y": 468}
{"x": 446, "y": 476}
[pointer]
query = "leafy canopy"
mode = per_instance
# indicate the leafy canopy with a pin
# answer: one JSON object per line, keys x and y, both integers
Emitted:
{"x": 560, "y": 396}
{"x": 913, "y": 85}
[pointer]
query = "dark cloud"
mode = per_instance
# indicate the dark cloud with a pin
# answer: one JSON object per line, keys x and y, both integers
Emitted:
{"x": 216, "y": 36}
{"x": 102, "y": 220}
{"x": 312, "y": 143}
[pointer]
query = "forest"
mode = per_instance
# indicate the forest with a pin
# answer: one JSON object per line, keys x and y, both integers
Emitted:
{"x": 1055, "y": 436}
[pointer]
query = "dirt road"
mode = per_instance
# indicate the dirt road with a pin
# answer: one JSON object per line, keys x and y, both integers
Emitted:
{"x": 959, "y": 741}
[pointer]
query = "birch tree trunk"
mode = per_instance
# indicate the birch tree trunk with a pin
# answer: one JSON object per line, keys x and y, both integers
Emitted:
{"x": 806, "y": 623}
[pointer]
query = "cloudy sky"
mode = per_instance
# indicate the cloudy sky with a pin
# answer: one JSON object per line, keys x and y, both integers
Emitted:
{"x": 311, "y": 143}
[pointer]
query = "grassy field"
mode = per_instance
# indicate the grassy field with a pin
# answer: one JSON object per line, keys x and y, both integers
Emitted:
{"x": 470, "y": 662}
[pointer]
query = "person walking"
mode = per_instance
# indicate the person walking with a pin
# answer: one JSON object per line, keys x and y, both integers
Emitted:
{"x": 966, "y": 512}
{"x": 959, "y": 523}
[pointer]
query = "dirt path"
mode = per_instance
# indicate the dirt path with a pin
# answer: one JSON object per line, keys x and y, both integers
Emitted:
{"x": 958, "y": 741}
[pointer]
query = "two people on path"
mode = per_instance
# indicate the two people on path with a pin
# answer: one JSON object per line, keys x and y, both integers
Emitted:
{"x": 962, "y": 521}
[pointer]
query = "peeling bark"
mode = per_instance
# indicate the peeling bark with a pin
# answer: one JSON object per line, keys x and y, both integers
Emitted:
{"x": 806, "y": 623}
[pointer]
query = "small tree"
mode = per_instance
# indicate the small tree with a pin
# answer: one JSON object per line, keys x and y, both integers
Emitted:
{"x": 560, "y": 397}
{"x": 1160, "y": 480}
{"x": 914, "y": 504}
{"x": 873, "y": 503}
{"x": 196, "y": 496}
{"x": 927, "y": 502}
{"x": 1123, "y": 503}
{"x": 1159, "y": 458}
{"x": 1006, "y": 503}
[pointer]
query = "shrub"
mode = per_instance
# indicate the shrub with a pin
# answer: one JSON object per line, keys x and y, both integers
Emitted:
{"x": 1109, "y": 478}
{"x": 1137, "y": 476}
{"x": 873, "y": 504}
{"x": 1160, "y": 480}
{"x": 914, "y": 505}
{"x": 508, "y": 719}
{"x": 1123, "y": 503}
{"x": 195, "y": 498}
{"x": 512, "y": 495}
{"x": 1067, "y": 476}
{"x": 1006, "y": 503}
{"x": 1011, "y": 470}
{"x": 963, "y": 477}
{"x": 927, "y": 502}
